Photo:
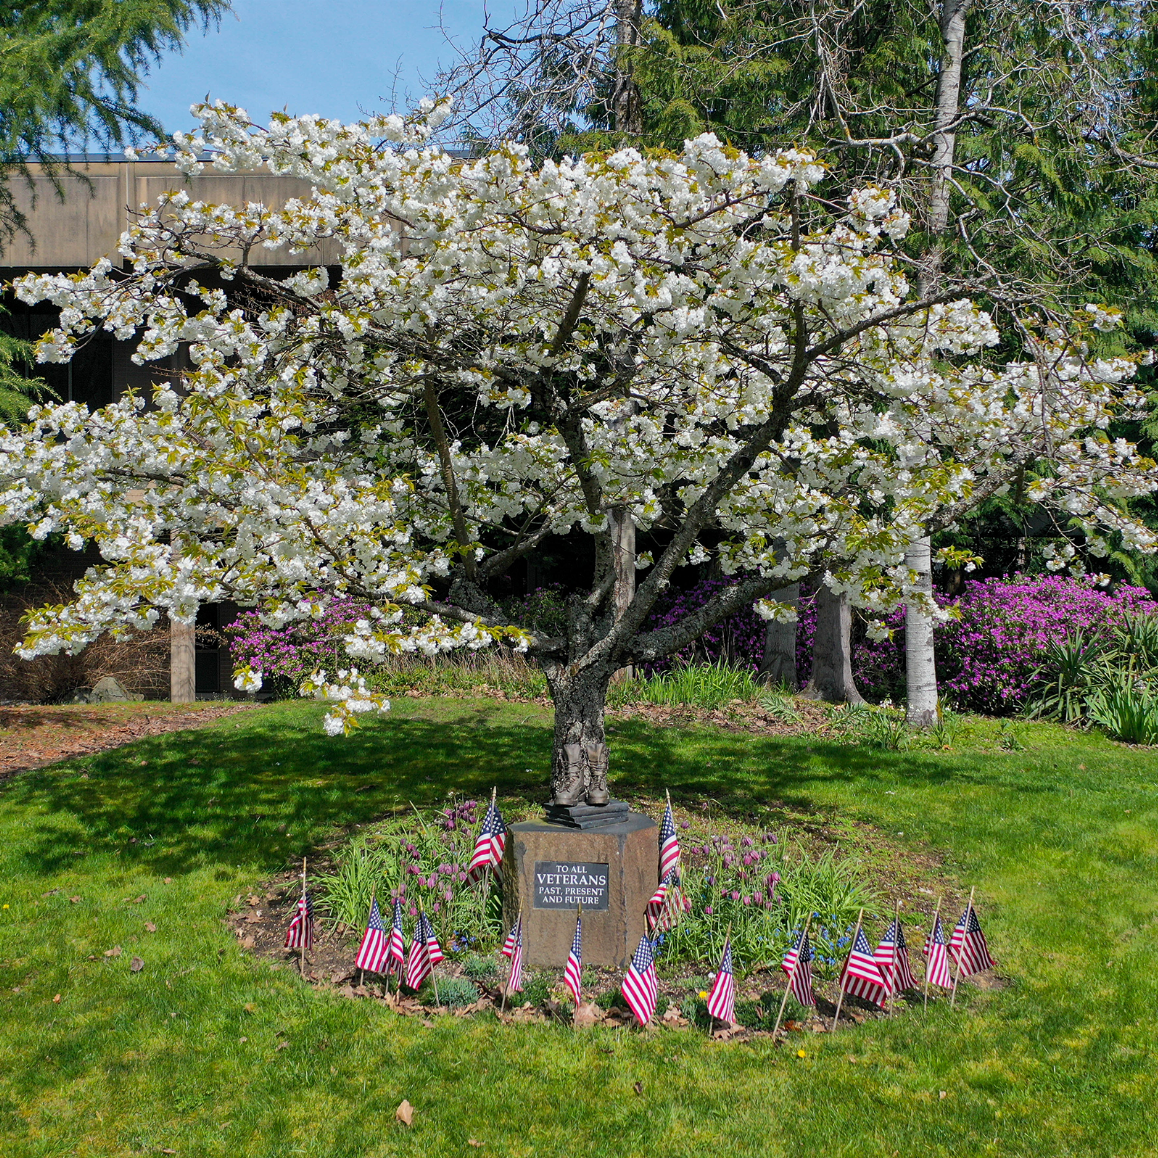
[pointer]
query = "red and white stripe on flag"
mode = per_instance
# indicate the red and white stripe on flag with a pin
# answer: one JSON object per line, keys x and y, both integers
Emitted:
{"x": 669, "y": 845}
{"x": 372, "y": 953}
{"x": 418, "y": 966}
{"x": 396, "y": 948}
{"x": 797, "y": 964}
{"x": 490, "y": 845}
{"x": 892, "y": 957}
{"x": 968, "y": 949}
{"x": 860, "y": 975}
{"x": 640, "y": 987}
{"x": 300, "y": 934}
{"x": 515, "y": 977}
{"x": 937, "y": 957}
{"x": 722, "y": 998}
{"x": 573, "y": 971}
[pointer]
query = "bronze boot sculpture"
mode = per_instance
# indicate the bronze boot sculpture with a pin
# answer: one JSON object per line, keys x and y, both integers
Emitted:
{"x": 597, "y": 762}
{"x": 570, "y": 778}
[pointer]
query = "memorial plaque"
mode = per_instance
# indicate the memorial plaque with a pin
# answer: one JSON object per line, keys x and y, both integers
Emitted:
{"x": 568, "y": 884}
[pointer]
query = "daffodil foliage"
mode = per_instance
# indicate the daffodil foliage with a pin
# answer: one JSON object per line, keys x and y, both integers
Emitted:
{"x": 502, "y": 352}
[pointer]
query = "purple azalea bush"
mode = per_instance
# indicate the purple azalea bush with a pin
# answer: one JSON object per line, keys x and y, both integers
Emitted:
{"x": 287, "y": 655}
{"x": 986, "y": 657}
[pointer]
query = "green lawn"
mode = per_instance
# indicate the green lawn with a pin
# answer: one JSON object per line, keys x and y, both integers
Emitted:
{"x": 1061, "y": 840}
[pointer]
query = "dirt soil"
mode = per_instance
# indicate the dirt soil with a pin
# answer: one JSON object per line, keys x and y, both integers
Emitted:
{"x": 32, "y": 736}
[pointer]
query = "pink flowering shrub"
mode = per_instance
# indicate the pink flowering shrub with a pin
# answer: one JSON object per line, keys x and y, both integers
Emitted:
{"x": 985, "y": 658}
{"x": 287, "y": 655}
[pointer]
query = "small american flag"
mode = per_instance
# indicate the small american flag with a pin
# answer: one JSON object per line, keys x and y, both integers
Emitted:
{"x": 488, "y": 848}
{"x": 640, "y": 987}
{"x": 860, "y": 975}
{"x": 418, "y": 966}
{"x": 667, "y": 904}
{"x": 722, "y": 999}
{"x": 669, "y": 844}
{"x": 300, "y": 934}
{"x": 797, "y": 964}
{"x": 937, "y": 969}
{"x": 433, "y": 948}
{"x": 573, "y": 973}
{"x": 967, "y": 947}
{"x": 892, "y": 957}
{"x": 396, "y": 947}
{"x": 374, "y": 952}
{"x": 515, "y": 941}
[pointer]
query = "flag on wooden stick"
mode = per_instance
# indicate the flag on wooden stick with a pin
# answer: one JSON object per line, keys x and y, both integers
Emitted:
{"x": 967, "y": 947}
{"x": 861, "y": 975}
{"x": 937, "y": 957}
{"x": 892, "y": 957}
{"x": 433, "y": 948}
{"x": 669, "y": 844}
{"x": 666, "y": 905}
{"x": 300, "y": 934}
{"x": 797, "y": 964}
{"x": 514, "y": 950}
{"x": 573, "y": 972}
{"x": 640, "y": 987}
{"x": 488, "y": 848}
{"x": 722, "y": 998}
{"x": 374, "y": 951}
{"x": 396, "y": 947}
{"x": 418, "y": 965}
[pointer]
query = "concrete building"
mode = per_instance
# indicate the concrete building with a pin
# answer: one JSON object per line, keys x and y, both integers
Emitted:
{"x": 100, "y": 195}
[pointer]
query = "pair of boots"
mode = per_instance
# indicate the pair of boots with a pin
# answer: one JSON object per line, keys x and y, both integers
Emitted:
{"x": 584, "y": 773}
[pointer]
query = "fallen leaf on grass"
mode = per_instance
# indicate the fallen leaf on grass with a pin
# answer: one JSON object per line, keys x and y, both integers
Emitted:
{"x": 115, "y": 951}
{"x": 283, "y": 1045}
{"x": 166, "y": 1150}
{"x": 168, "y": 880}
{"x": 136, "y": 965}
{"x": 638, "y": 1088}
{"x": 56, "y": 1001}
{"x": 588, "y": 1014}
{"x": 405, "y": 1113}
{"x": 139, "y": 900}
{"x": 249, "y": 1007}
{"x": 150, "y": 927}
{"x": 473, "y": 1142}
{"x": 944, "y": 1094}
{"x": 74, "y": 900}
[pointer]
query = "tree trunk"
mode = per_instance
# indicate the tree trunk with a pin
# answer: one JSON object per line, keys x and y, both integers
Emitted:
{"x": 580, "y": 698}
{"x": 623, "y": 551}
{"x": 626, "y": 107}
{"x": 920, "y": 664}
{"x": 832, "y": 651}
{"x": 778, "y": 664}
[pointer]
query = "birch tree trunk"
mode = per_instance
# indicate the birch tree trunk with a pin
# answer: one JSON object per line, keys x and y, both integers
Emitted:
{"x": 831, "y": 678}
{"x": 920, "y": 658}
{"x": 778, "y": 663}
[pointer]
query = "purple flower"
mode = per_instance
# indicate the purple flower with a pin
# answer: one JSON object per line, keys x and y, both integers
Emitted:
{"x": 708, "y": 910}
{"x": 747, "y": 899}
{"x": 758, "y": 897}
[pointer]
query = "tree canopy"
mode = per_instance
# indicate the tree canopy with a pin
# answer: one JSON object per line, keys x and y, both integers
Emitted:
{"x": 514, "y": 350}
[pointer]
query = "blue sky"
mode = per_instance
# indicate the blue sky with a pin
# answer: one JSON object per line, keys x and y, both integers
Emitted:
{"x": 332, "y": 57}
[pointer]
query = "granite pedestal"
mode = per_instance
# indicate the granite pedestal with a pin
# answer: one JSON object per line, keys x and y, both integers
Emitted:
{"x": 613, "y": 870}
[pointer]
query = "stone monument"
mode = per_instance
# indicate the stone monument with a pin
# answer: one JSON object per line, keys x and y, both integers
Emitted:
{"x": 588, "y": 850}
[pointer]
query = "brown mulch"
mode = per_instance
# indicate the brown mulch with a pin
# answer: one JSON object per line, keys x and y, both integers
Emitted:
{"x": 32, "y": 736}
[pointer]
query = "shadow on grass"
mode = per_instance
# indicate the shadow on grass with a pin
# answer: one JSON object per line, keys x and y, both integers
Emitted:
{"x": 270, "y": 789}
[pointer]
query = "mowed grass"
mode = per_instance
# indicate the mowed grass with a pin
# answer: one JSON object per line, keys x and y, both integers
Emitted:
{"x": 1061, "y": 841}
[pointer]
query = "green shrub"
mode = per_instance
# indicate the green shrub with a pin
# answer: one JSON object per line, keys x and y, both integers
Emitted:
{"x": 1127, "y": 710}
{"x": 480, "y": 968}
{"x": 454, "y": 992}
